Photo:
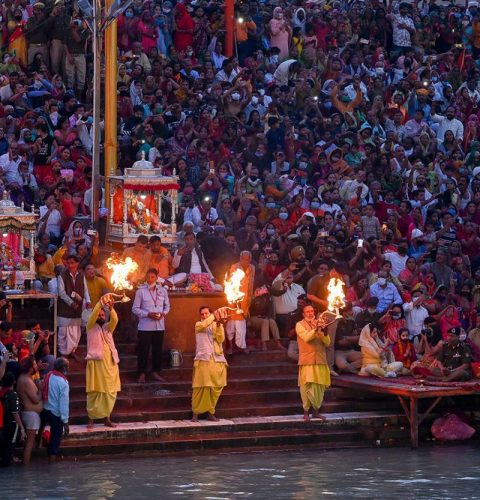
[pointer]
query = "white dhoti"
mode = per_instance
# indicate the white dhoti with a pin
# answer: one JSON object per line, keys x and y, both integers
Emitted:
{"x": 69, "y": 333}
{"x": 180, "y": 278}
{"x": 237, "y": 329}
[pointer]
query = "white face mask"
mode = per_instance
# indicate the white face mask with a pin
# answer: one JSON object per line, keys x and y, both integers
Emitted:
{"x": 379, "y": 71}
{"x": 462, "y": 337}
{"x": 254, "y": 100}
{"x": 382, "y": 281}
{"x": 236, "y": 96}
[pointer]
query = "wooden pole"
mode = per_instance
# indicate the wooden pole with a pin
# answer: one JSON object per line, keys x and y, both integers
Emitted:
{"x": 110, "y": 105}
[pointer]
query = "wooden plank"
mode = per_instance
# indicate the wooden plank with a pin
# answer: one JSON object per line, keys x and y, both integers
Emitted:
{"x": 383, "y": 386}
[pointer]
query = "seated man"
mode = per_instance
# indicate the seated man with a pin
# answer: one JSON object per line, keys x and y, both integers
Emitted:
{"x": 348, "y": 358}
{"x": 456, "y": 356}
{"x": 189, "y": 263}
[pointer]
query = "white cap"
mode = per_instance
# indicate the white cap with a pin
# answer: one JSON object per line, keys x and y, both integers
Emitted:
{"x": 472, "y": 3}
{"x": 416, "y": 233}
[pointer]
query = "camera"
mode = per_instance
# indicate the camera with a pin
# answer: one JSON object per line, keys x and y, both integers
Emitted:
{"x": 428, "y": 332}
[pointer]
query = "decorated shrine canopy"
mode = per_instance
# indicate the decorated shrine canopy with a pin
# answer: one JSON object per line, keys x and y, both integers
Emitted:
{"x": 164, "y": 184}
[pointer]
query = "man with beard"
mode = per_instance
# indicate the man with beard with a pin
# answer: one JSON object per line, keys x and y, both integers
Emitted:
{"x": 404, "y": 350}
{"x": 103, "y": 378}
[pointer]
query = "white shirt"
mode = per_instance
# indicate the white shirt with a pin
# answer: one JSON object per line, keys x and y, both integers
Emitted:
{"x": 456, "y": 126}
{"x": 150, "y": 300}
{"x": 415, "y": 317}
{"x": 287, "y": 302}
{"x": 398, "y": 262}
{"x": 54, "y": 223}
{"x": 9, "y": 166}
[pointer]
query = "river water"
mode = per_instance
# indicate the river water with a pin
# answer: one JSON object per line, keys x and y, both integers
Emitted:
{"x": 429, "y": 473}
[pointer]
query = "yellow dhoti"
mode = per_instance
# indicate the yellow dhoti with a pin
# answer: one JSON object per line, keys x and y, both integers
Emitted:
{"x": 313, "y": 380}
{"x": 209, "y": 379}
{"x": 103, "y": 383}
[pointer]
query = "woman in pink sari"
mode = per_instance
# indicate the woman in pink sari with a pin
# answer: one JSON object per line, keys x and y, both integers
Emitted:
{"x": 448, "y": 318}
{"x": 280, "y": 33}
{"x": 148, "y": 31}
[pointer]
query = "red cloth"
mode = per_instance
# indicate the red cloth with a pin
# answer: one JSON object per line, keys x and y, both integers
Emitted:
{"x": 47, "y": 382}
{"x": 405, "y": 354}
{"x": 184, "y": 22}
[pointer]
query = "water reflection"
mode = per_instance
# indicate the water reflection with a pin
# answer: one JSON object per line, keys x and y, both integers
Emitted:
{"x": 431, "y": 473}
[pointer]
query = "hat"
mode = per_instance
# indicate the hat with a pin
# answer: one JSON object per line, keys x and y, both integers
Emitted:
{"x": 309, "y": 214}
{"x": 40, "y": 5}
{"x": 59, "y": 2}
{"x": 416, "y": 233}
{"x": 454, "y": 330}
{"x": 372, "y": 302}
{"x": 472, "y": 3}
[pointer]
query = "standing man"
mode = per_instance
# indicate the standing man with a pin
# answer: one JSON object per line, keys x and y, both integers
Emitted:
{"x": 237, "y": 324}
{"x": 75, "y": 62}
{"x": 313, "y": 374}
{"x": 210, "y": 365}
{"x": 58, "y": 34}
{"x": 55, "y": 403}
{"x": 103, "y": 377}
{"x": 31, "y": 400}
{"x": 11, "y": 420}
{"x": 38, "y": 29}
{"x": 151, "y": 305}
{"x": 72, "y": 296}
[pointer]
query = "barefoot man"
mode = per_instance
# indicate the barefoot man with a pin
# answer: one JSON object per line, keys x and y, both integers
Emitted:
{"x": 210, "y": 365}
{"x": 31, "y": 401}
{"x": 313, "y": 373}
{"x": 103, "y": 378}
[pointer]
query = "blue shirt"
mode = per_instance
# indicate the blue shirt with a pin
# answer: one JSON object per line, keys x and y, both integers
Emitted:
{"x": 58, "y": 397}
{"x": 386, "y": 296}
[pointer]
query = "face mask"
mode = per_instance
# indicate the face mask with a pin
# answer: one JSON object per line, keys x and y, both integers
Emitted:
{"x": 327, "y": 105}
{"x": 270, "y": 232}
{"x": 220, "y": 229}
{"x": 396, "y": 316}
{"x": 129, "y": 15}
{"x": 189, "y": 53}
{"x": 258, "y": 154}
{"x": 382, "y": 281}
{"x": 254, "y": 100}
{"x": 379, "y": 71}
{"x": 303, "y": 182}
{"x": 372, "y": 310}
{"x": 270, "y": 205}
{"x": 283, "y": 215}
{"x": 236, "y": 96}
{"x": 303, "y": 165}
{"x": 166, "y": 10}
{"x": 90, "y": 120}
{"x": 462, "y": 337}
{"x": 223, "y": 174}
{"x": 315, "y": 204}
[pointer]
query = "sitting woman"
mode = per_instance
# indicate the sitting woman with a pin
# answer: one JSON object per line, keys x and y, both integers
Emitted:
{"x": 375, "y": 355}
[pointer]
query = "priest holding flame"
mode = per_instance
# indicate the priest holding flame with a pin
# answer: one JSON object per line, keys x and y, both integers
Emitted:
{"x": 103, "y": 378}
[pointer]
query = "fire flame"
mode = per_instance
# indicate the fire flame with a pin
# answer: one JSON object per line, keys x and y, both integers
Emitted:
{"x": 232, "y": 286}
{"x": 336, "y": 297}
{"x": 120, "y": 271}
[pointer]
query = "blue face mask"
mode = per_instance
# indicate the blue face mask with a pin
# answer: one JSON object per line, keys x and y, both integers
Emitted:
{"x": 315, "y": 204}
{"x": 283, "y": 215}
{"x": 303, "y": 182}
{"x": 270, "y": 205}
{"x": 327, "y": 105}
{"x": 90, "y": 120}
{"x": 129, "y": 15}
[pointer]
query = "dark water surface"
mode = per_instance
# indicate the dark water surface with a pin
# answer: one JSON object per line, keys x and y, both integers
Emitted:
{"x": 430, "y": 473}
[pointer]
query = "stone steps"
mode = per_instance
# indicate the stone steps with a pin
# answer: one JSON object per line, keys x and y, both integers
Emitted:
{"x": 339, "y": 431}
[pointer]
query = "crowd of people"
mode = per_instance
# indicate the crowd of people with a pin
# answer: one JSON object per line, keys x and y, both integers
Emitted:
{"x": 340, "y": 140}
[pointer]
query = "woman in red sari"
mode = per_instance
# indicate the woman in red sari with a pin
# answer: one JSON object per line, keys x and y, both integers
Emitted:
{"x": 183, "y": 27}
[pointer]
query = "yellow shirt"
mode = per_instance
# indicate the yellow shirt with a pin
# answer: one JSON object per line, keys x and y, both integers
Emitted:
{"x": 97, "y": 286}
